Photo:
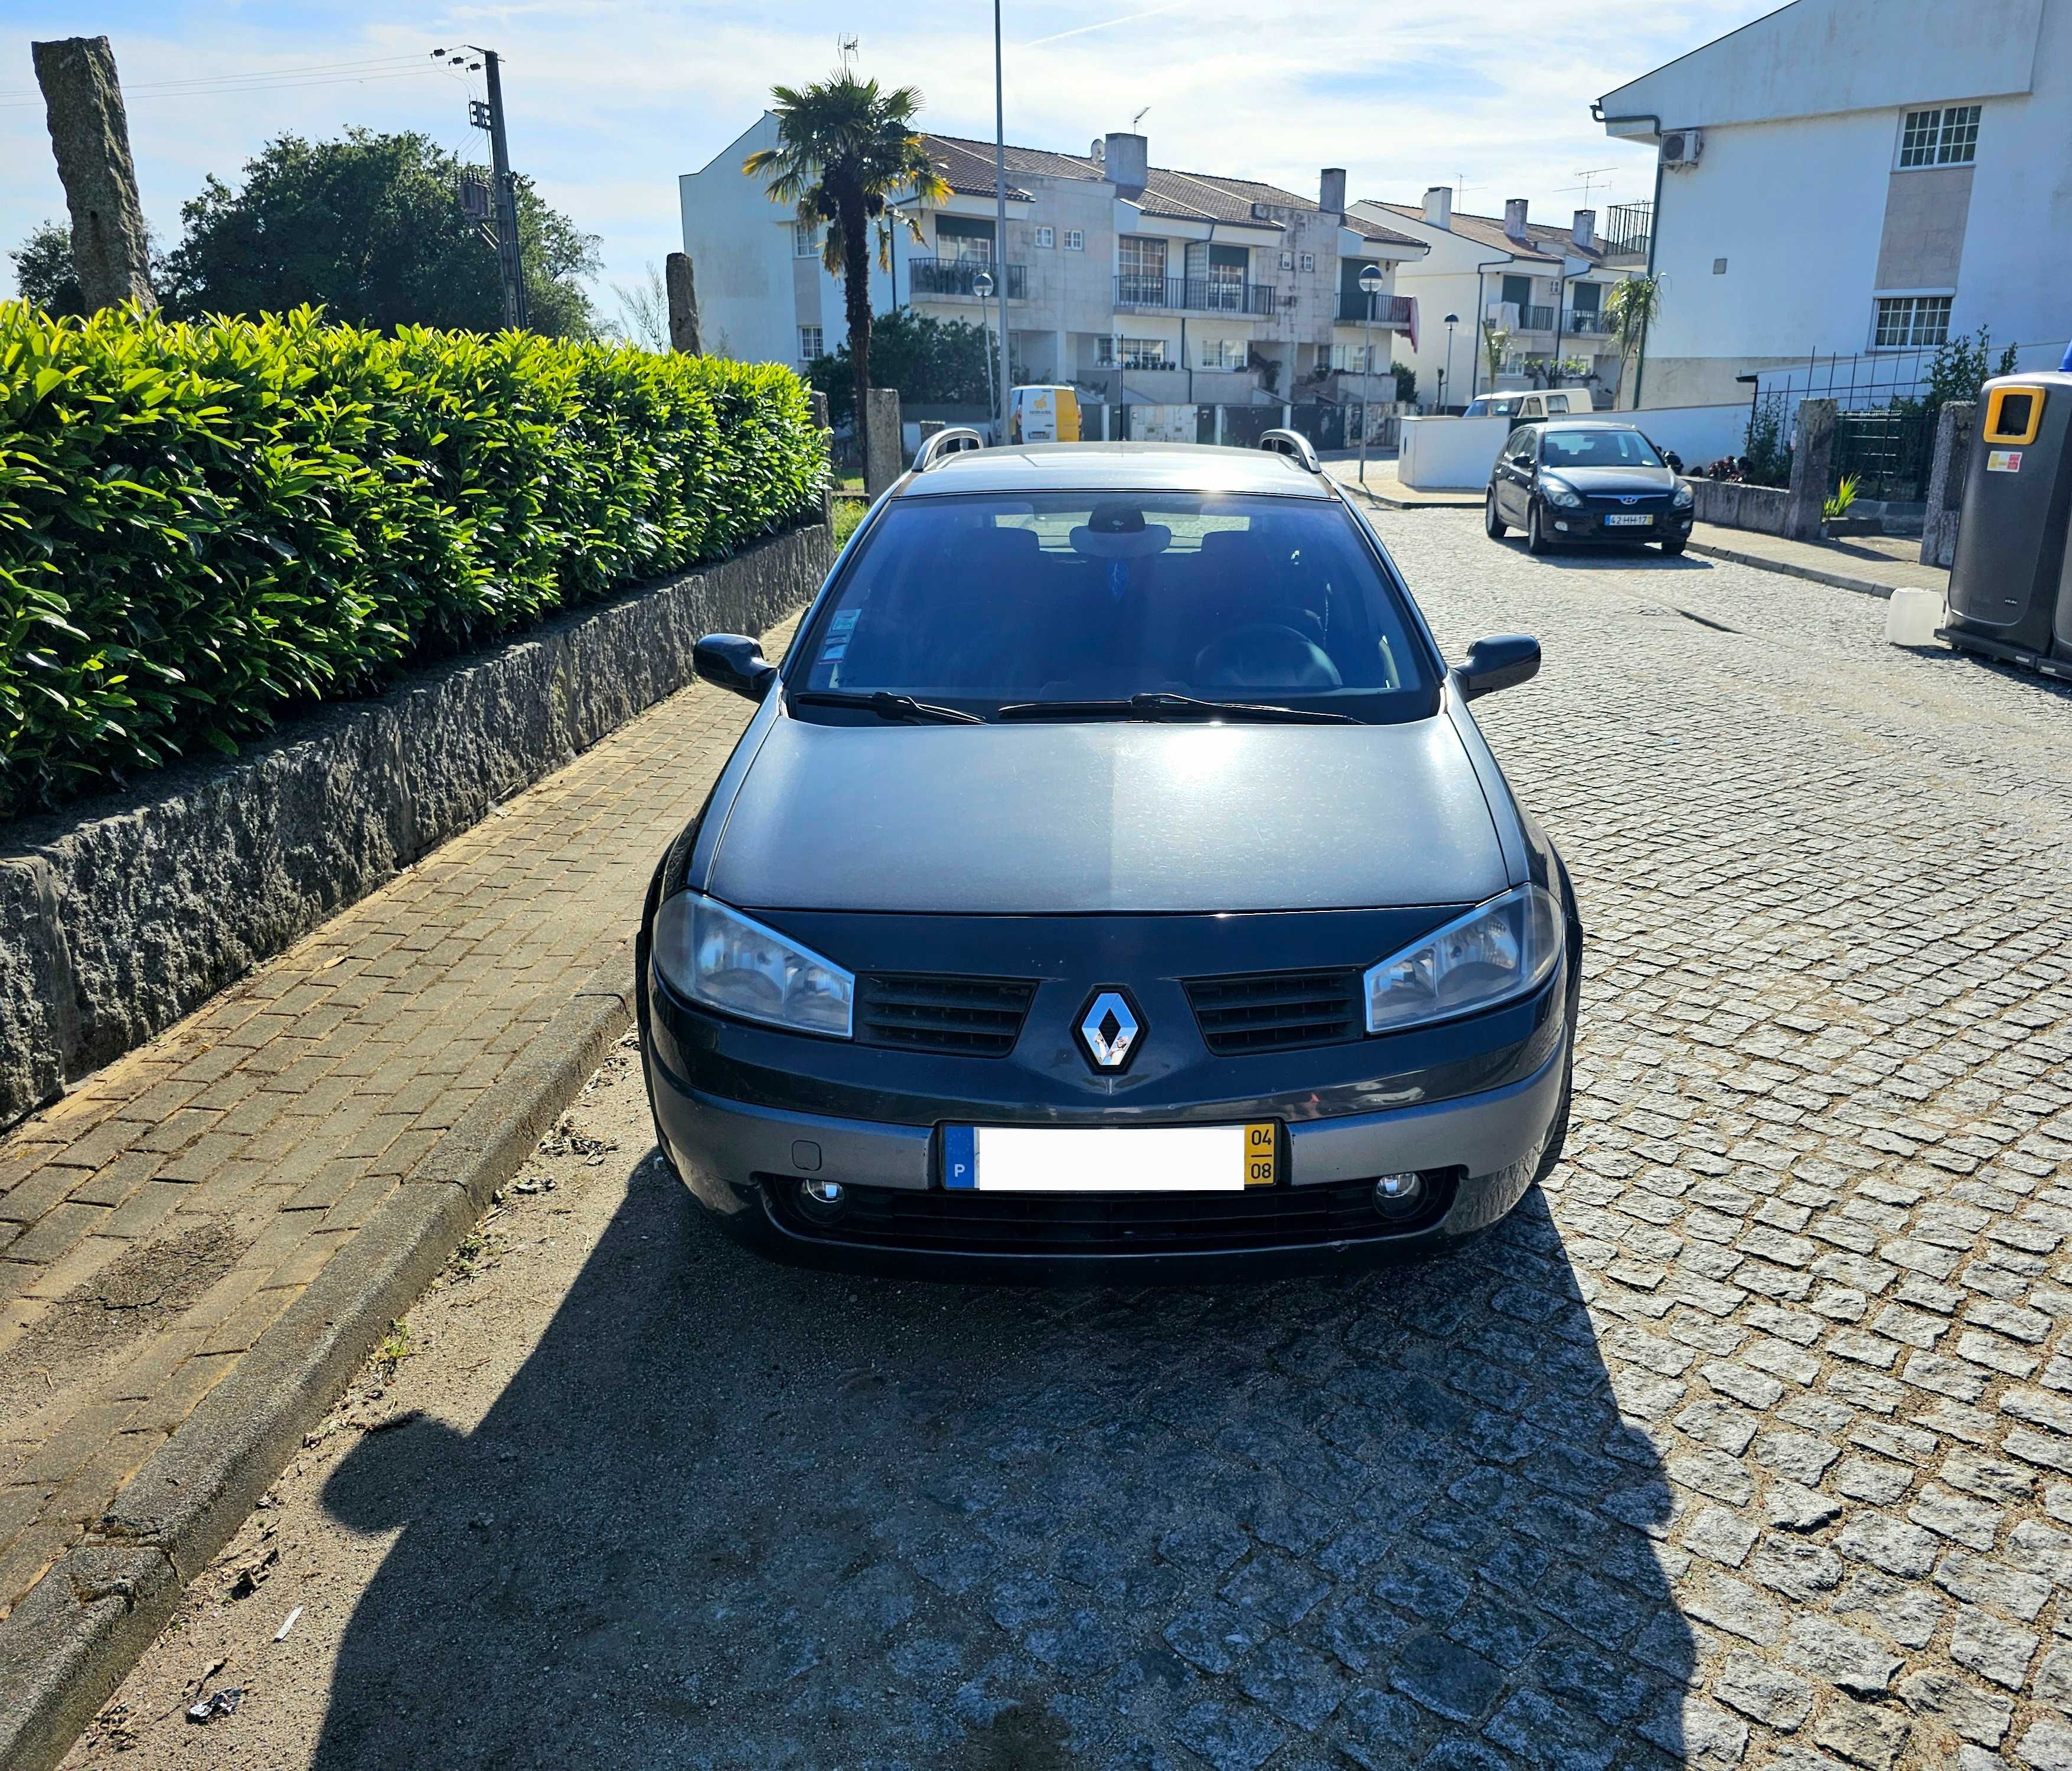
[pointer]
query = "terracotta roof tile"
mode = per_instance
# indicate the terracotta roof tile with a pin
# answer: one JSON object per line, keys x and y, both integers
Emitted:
{"x": 1488, "y": 231}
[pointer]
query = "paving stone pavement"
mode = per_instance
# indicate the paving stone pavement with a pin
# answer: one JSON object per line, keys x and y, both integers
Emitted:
{"x": 154, "y": 1221}
{"x": 1747, "y": 1440}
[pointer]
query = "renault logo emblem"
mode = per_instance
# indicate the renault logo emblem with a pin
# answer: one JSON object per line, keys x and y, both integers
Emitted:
{"x": 1109, "y": 1029}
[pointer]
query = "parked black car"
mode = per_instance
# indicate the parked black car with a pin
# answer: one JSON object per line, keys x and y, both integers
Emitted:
{"x": 1112, "y": 880}
{"x": 1586, "y": 479}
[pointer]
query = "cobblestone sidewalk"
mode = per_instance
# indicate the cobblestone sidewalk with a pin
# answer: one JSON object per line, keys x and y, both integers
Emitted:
{"x": 156, "y": 1220}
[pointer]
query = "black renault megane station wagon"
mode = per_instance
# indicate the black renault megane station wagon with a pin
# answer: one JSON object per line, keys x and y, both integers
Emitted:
{"x": 1112, "y": 882}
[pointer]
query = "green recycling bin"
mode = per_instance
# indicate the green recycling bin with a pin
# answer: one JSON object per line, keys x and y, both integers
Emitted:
{"x": 2011, "y": 580}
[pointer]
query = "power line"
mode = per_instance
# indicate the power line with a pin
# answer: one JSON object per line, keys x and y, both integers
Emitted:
{"x": 254, "y": 85}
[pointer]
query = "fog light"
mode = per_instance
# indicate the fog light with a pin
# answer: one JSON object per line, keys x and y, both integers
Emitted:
{"x": 823, "y": 1199}
{"x": 1399, "y": 1195}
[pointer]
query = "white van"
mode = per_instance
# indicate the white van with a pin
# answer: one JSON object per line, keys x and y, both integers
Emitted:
{"x": 1523, "y": 408}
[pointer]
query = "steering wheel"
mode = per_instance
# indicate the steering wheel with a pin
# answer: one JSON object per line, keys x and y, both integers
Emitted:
{"x": 1265, "y": 655}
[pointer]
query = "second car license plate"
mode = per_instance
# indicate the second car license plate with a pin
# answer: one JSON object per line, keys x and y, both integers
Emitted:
{"x": 1109, "y": 1159}
{"x": 1628, "y": 520}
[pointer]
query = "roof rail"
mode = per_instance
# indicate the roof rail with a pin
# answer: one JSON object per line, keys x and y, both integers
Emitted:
{"x": 1294, "y": 445}
{"x": 953, "y": 441}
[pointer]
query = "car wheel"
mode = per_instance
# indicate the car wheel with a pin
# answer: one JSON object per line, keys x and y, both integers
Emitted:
{"x": 1492, "y": 524}
{"x": 1672, "y": 548}
{"x": 1535, "y": 536}
{"x": 1557, "y": 1133}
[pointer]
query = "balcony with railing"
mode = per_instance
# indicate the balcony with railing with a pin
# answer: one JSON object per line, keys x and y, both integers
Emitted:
{"x": 1586, "y": 322}
{"x": 1629, "y": 226}
{"x": 953, "y": 277}
{"x": 1392, "y": 311}
{"x": 1192, "y": 295}
{"x": 1535, "y": 320}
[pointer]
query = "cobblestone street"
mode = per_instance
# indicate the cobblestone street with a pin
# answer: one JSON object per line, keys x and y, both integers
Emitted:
{"x": 1747, "y": 1440}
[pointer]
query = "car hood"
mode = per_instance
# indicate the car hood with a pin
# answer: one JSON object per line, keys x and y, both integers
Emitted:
{"x": 1114, "y": 816}
{"x": 1618, "y": 479}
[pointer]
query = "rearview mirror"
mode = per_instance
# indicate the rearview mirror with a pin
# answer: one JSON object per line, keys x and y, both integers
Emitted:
{"x": 1499, "y": 662}
{"x": 736, "y": 662}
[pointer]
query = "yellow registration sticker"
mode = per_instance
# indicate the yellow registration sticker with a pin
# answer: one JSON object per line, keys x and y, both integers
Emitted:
{"x": 1262, "y": 1143}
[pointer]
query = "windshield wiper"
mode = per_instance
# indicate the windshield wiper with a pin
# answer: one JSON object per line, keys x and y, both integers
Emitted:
{"x": 1163, "y": 705}
{"x": 887, "y": 706}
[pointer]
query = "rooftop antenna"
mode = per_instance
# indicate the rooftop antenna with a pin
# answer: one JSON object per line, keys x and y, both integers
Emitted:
{"x": 1589, "y": 176}
{"x": 1461, "y": 187}
{"x": 1137, "y": 120}
{"x": 846, "y": 47}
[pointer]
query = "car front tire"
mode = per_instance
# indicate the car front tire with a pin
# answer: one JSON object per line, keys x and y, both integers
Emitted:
{"x": 1535, "y": 536}
{"x": 1493, "y": 525}
{"x": 1672, "y": 548}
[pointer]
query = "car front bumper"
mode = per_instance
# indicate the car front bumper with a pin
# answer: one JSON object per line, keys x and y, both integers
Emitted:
{"x": 746, "y": 1161}
{"x": 1587, "y": 525}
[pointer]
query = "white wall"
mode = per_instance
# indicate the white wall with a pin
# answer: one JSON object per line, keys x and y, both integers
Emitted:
{"x": 1456, "y": 455}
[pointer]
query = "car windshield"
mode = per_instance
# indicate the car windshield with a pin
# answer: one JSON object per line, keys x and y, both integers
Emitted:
{"x": 1598, "y": 448}
{"x": 1486, "y": 408}
{"x": 978, "y": 603}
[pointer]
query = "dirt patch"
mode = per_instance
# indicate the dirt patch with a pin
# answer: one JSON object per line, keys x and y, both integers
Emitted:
{"x": 142, "y": 1289}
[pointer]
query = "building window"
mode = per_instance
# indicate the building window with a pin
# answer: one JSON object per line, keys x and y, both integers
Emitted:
{"x": 809, "y": 343}
{"x": 805, "y": 240}
{"x": 1075, "y": 240}
{"x": 1220, "y": 353}
{"x": 1309, "y": 260}
{"x": 1142, "y": 264}
{"x": 1946, "y": 136}
{"x": 1349, "y": 359}
{"x": 1288, "y": 260}
{"x": 1046, "y": 237}
{"x": 1910, "y": 322}
{"x": 1132, "y": 353}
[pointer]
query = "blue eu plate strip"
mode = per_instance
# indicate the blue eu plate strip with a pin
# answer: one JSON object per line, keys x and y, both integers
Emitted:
{"x": 961, "y": 1157}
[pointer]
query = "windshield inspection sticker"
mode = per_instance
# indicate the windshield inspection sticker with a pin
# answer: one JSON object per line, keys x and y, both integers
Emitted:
{"x": 2004, "y": 461}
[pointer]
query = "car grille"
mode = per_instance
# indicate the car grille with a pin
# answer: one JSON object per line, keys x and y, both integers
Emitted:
{"x": 918, "y": 1011}
{"x": 1615, "y": 501}
{"x": 1276, "y": 1011}
{"x": 1010, "y": 1223}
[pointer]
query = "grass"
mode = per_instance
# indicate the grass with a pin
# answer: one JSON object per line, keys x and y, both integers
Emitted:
{"x": 393, "y": 1348}
{"x": 850, "y": 513}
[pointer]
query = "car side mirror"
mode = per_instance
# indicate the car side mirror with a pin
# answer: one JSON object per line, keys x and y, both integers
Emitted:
{"x": 1500, "y": 662}
{"x": 736, "y": 662}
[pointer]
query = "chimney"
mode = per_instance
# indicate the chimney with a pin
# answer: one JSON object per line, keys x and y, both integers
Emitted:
{"x": 1585, "y": 232}
{"x": 1331, "y": 191}
{"x": 1126, "y": 161}
{"x": 1439, "y": 207}
{"x": 1514, "y": 217}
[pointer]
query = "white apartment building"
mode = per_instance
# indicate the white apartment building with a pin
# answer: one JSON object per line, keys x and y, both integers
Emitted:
{"x": 1544, "y": 286}
{"x": 1865, "y": 178}
{"x": 1137, "y": 283}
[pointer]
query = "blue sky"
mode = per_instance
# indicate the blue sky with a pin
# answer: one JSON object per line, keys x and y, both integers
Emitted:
{"x": 609, "y": 99}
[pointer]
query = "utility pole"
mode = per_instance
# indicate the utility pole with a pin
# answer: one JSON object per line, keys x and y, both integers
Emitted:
{"x": 1000, "y": 224}
{"x": 503, "y": 189}
{"x": 90, "y": 137}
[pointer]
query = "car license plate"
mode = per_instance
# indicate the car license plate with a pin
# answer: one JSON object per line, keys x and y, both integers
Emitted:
{"x": 1110, "y": 1159}
{"x": 1620, "y": 520}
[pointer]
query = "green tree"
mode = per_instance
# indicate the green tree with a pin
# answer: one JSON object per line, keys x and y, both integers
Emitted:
{"x": 931, "y": 362}
{"x": 845, "y": 146}
{"x": 1958, "y": 370}
{"x": 369, "y": 227}
{"x": 1630, "y": 309}
{"x": 44, "y": 272}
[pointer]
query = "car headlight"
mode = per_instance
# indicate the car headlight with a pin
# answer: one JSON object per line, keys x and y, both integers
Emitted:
{"x": 1683, "y": 499}
{"x": 1503, "y": 950}
{"x": 716, "y": 956}
{"x": 1561, "y": 493}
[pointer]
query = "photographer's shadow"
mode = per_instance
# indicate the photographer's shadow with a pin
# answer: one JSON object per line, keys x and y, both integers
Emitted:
{"x": 731, "y": 1515}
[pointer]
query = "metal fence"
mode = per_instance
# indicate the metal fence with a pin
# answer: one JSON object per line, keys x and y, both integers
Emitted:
{"x": 1628, "y": 227}
{"x": 1198, "y": 294}
{"x": 1889, "y": 454}
{"x": 956, "y": 276}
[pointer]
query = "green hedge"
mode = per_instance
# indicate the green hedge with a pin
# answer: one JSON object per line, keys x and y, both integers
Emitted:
{"x": 203, "y": 525}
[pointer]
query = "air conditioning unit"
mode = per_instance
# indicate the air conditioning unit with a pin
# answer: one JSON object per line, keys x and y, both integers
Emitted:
{"x": 1682, "y": 147}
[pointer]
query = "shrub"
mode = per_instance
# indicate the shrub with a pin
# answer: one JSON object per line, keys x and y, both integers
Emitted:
{"x": 201, "y": 525}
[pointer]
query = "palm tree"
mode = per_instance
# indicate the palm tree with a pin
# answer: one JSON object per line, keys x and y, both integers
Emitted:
{"x": 1630, "y": 309}
{"x": 844, "y": 147}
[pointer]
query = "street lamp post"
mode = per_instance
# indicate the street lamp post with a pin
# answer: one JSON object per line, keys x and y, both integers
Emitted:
{"x": 982, "y": 288}
{"x": 1453, "y": 320}
{"x": 1370, "y": 282}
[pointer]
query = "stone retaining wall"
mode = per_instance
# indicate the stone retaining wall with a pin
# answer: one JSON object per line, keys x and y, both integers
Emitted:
{"x": 122, "y": 914}
{"x": 1734, "y": 505}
